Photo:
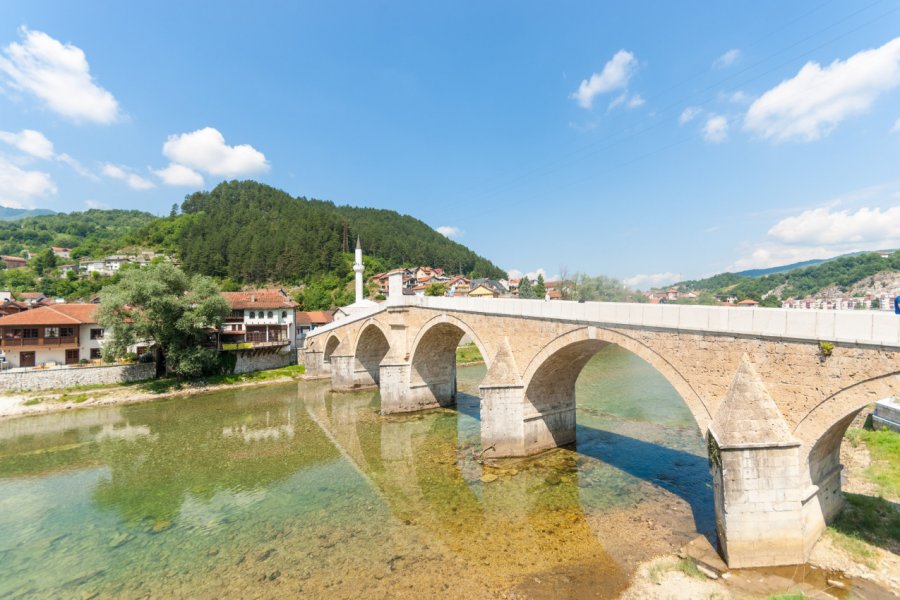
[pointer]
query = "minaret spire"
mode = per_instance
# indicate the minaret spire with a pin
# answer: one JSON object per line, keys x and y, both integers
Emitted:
{"x": 358, "y": 268}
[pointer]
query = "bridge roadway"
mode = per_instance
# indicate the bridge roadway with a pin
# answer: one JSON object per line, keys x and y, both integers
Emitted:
{"x": 772, "y": 390}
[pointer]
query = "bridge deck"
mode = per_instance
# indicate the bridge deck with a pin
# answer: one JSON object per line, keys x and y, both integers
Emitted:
{"x": 866, "y": 327}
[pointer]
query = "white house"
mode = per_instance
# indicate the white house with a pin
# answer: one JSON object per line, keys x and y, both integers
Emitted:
{"x": 60, "y": 334}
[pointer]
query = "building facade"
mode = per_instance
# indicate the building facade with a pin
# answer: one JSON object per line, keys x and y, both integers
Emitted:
{"x": 61, "y": 334}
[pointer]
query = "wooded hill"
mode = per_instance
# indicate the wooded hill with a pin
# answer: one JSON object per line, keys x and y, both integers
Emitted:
{"x": 843, "y": 273}
{"x": 247, "y": 232}
{"x": 253, "y": 233}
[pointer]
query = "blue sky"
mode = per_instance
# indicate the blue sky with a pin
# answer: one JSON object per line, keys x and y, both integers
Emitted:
{"x": 648, "y": 141}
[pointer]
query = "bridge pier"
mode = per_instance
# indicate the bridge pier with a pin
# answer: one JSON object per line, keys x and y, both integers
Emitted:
{"x": 398, "y": 395}
{"x": 316, "y": 367}
{"x": 348, "y": 375}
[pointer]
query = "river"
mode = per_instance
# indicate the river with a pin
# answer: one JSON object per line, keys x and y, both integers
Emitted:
{"x": 290, "y": 490}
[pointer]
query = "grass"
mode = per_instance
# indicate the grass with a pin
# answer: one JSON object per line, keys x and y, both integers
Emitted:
{"x": 33, "y": 401}
{"x": 168, "y": 384}
{"x": 75, "y": 398}
{"x": 884, "y": 447}
{"x": 684, "y": 565}
{"x": 468, "y": 353}
{"x": 789, "y": 596}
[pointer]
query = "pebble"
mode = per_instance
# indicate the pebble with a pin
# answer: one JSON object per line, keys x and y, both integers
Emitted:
{"x": 488, "y": 477}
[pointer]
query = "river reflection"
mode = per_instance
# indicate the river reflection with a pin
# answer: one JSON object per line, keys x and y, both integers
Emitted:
{"x": 291, "y": 489}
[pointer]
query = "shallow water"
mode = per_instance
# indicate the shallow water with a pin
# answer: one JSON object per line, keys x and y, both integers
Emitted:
{"x": 289, "y": 489}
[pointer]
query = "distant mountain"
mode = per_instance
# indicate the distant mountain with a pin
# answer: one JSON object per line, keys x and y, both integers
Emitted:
{"x": 8, "y": 213}
{"x": 782, "y": 268}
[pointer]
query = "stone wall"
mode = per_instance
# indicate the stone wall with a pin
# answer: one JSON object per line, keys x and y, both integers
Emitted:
{"x": 47, "y": 379}
{"x": 248, "y": 362}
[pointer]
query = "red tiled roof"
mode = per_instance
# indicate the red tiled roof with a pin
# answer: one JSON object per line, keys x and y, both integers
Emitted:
{"x": 31, "y": 295}
{"x": 13, "y": 258}
{"x": 315, "y": 317}
{"x": 271, "y": 298}
{"x": 748, "y": 302}
{"x": 59, "y": 314}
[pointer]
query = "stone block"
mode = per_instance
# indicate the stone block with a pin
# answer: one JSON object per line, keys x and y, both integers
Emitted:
{"x": 852, "y": 326}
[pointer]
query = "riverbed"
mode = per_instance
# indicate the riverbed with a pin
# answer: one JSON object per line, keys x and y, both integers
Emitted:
{"x": 292, "y": 490}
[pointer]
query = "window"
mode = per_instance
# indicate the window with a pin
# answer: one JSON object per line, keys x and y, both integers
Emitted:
{"x": 96, "y": 334}
{"x": 252, "y": 314}
{"x": 30, "y": 333}
{"x": 270, "y": 314}
{"x": 284, "y": 314}
{"x": 96, "y": 354}
{"x": 51, "y": 332}
{"x": 66, "y": 332}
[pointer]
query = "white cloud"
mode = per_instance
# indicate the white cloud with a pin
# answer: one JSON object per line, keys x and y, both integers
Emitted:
{"x": 19, "y": 188}
{"x": 716, "y": 129}
{"x": 134, "y": 181}
{"x": 689, "y": 114}
{"x": 811, "y": 104}
{"x": 825, "y": 232}
{"x": 635, "y": 101}
{"x": 94, "y": 204}
{"x": 206, "y": 150}
{"x": 30, "y": 142}
{"x": 616, "y": 74}
{"x": 727, "y": 59}
{"x": 59, "y": 75}
{"x": 76, "y": 166}
{"x": 896, "y": 127}
{"x": 448, "y": 231}
{"x": 840, "y": 227}
{"x": 651, "y": 280}
{"x": 176, "y": 174}
{"x": 739, "y": 97}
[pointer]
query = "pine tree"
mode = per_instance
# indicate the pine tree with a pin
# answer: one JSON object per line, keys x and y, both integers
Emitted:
{"x": 526, "y": 291}
{"x": 539, "y": 290}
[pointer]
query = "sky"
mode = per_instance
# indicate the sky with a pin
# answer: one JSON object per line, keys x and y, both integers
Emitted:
{"x": 650, "y": 141}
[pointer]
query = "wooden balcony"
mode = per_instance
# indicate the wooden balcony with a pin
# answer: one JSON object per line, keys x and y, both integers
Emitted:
{"x": 40, "y": 342}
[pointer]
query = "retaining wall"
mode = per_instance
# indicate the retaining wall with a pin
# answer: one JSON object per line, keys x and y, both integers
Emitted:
{"x": 47, "y": 379}
{"x": 247, "y": 363}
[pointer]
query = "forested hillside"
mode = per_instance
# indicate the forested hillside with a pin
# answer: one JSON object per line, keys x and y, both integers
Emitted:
{"x": 88, "y": 233}
{"x": 253, "y": 233}
{"x": 843, "y": 273}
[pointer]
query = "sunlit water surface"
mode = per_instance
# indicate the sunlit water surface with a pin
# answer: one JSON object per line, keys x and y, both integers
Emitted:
{"x": 292, "y": 490}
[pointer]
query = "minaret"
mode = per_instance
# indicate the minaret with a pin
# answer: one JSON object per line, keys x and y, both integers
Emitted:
{"x": 358, "y": 268}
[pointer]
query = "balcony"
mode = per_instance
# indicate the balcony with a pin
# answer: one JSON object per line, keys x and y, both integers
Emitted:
{"x": 39, "y": 342}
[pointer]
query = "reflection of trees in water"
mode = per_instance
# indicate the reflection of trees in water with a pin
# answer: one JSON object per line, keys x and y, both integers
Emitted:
{"x": 207, "y": 445}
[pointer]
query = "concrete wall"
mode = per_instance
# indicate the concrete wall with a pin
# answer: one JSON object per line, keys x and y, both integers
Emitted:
{"x": 46, "y": 379}
{"x": 247, "y": 362}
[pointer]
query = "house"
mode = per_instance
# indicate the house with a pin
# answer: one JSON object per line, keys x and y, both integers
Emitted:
{"x": 263, "y": 318}
{"x": 65, "y": 269}
{"x": 14, "y": 262}
{"x": 749, "y": 303}
{"x": 483, "y": 290}
{"x": 307, "y": 321}
{"x": 62, "y": 252}
{"x": 60, "y": 334}
{"x": 32, "y": 298}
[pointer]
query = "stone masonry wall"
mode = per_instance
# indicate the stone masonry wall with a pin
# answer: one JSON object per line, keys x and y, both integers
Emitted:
{"x": 47, "y": 379}
{"x": 247, "y": 363}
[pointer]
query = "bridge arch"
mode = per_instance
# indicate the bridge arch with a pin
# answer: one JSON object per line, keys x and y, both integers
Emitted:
{"x": 433, "y": 357}
{"x": 370, "y": 348}
{"x": 550, "y": 377}
{"x": 331, "y": 345}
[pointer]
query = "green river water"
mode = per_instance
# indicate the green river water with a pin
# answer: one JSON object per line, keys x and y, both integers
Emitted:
{"x": 289, "y": 490}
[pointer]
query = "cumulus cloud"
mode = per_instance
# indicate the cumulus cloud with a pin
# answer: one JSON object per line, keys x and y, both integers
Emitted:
{"x": 824, "y": 233}
{"x": 727, "y": 59}
{"x": 134, "y": 181}
{"x": 689, "y": 114}
{"x": 179, "y": 175}
{"x": 19, "y": 187}
{"x": 448, "y": 231}
{"x": 651, "y": 280}
{"x": 59, "y": 75}
{"x": 206, "y": 150}
{"x": 827, "y": 227}
{"x": 95, "y": 204}
{"x": 30, "y": 142}
{"x": 616, "y": 74}
{"x": 533, "y": 275}
{"x": 810, "y": 105}
{"x": 716, "y": 129}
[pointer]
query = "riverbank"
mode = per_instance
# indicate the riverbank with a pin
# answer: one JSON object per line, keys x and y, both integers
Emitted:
{"x": 50, "y": 401}
{"x": 857, "y": 557}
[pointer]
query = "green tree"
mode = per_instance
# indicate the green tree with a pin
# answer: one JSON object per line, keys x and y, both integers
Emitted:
{"x": 44, "y": 261}
{"x": 165, "y": 307}
{"x": 540, "y": 291}
{"x": 436, "y": 289}
{"x": 526, "y": 290}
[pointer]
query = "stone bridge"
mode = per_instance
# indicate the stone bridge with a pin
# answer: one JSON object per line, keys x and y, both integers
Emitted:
{"x": 772, "y": 390}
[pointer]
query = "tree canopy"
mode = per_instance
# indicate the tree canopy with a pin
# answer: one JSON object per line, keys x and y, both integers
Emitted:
{"x": 162, "y": 306}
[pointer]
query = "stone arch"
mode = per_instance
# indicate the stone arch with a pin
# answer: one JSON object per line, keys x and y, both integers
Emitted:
{"x": 370, "y": 348}
{"x": 433, "y": 357}
{"x": 567, "y": 354}
{"x": 331, "y": 345}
